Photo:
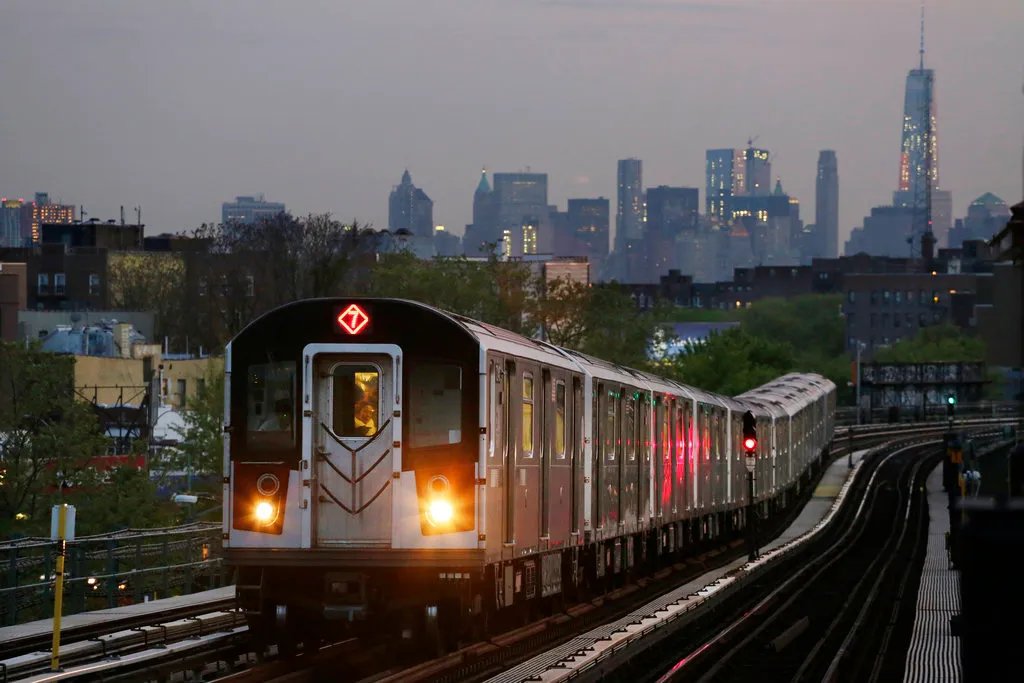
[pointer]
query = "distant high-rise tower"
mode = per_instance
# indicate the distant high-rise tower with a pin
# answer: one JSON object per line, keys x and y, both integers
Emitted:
{"x": 409, "y": 208}
{"x": 629, "y": 216}
{"x": 724, "y": 174}
{"x": 826, "y": 205}
{"x": 758, "y": 170}
{"x": 919, "y": 160}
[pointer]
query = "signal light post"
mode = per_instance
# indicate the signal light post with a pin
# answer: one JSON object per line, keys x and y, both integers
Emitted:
{"x": 750, "y": 460}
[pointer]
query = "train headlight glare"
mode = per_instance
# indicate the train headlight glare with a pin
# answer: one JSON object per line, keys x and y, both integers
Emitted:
{"x": 440, "y": 512}
{"x": 264, "y": 512}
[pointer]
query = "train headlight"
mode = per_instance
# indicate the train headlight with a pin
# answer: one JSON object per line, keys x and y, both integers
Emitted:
{"x": 440, "y": 512}
{"x": 264, "y": 512}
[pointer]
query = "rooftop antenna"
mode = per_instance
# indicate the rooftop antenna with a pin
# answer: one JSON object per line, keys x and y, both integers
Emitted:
{"x": 921, "y": 51}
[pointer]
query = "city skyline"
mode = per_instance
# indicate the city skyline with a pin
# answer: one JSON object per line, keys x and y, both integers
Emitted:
{"x": 185, "y": 124}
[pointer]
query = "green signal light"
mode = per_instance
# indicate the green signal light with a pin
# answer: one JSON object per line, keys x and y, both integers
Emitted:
{"x": 951, "y": 400}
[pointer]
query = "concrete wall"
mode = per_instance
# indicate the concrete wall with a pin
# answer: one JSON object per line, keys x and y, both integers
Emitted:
{"x": 110, "y": 381}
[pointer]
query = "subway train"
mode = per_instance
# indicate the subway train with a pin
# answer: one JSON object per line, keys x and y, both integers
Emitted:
{"x": 383, "y": 458}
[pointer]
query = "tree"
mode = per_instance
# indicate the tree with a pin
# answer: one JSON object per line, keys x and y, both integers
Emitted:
{"x": 123, "y": 497}
{"x": 615, "y": 330}
{"x": 150, "y": 281}
{"x": 730, "y": 362}
{"x": 934, "y": 344}
{"x": 557, "y": 309}
{"x": 202, "y": 437}
{"x": 47, "y": 438}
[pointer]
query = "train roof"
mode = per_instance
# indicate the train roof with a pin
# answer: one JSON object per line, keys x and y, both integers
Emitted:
{"x": 785, "y": 395}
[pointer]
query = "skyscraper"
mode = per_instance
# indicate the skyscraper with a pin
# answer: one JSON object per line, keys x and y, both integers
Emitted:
{"x": 409, "y": 208}
{"x": 629, "y": 215}
{"x": 10, "y": 222}
{"x": 826, "y": 206}
{"x": 521, "y": 211}
{"x": 587, "y": 228}
{"x": 919, "y": 160}
{"x": 757, "y": 170}
{"x": 724, "y": 176}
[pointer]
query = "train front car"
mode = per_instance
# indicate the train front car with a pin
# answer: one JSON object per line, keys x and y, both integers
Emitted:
{"x": 350, "y": 462}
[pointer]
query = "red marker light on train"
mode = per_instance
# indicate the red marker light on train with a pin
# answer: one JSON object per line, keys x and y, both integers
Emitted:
{"x": 353, "y": 319}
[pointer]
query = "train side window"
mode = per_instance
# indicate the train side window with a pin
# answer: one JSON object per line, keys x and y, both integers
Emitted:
{"x": 560, "y": 424}
{"x": 495, "y": 403}
{"x": 435, "y": 404}
{"x": 355, "y": 399}
{"x": 270, "y": 405}
{"x": 609, "y": 428}
{"x": 629, "y": 427}
{"x": 527, "y": 415}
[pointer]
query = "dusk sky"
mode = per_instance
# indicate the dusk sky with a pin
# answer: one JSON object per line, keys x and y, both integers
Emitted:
{"x": 178, "y": 106}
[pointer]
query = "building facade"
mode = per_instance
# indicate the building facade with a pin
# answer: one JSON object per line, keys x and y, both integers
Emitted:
{"x": 410, "y": 209}
{"x": 826, "y": 206}
{"x": 629, "y": 212}
{"x": 249, "y": 210}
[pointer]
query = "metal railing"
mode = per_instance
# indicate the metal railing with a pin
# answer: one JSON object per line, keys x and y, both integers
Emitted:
{"x": 108, "y": 570}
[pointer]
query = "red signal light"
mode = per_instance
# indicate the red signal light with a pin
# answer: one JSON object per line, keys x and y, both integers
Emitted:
{"x": 353, "y": 319}
{"x": 749, "y": 443}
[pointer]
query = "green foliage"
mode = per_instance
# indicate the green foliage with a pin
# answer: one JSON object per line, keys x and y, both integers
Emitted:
{"x": 730, "y": 362}
{"x": 776, "y": 336}
{"x": 615, "y": 330}
{"x": 46, "y": 436}
{"x": 202, "y": 437}
{"x": 934, "y": 344}
{"x": 121, "y": 498}
{"x": 492, "y": 291}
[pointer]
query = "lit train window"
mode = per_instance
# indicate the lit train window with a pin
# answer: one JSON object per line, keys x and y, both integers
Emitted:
{"x": 270, "y": 405}
{"x": 435, "y": 405}
{"x": 527, "y": 415}
{"x": 355, "y": 400}
{"x": 560, "y": 421}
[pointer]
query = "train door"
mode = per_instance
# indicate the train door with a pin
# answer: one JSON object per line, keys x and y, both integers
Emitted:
{"x": 628, "y": 464}
{"x": 527, "y": 481}
{"x": 559, "y": 446}
{"x": 353, "y": 433}
{"x": 686, "y": 449}
{"x": 662, "y": 478}
{"x": 510, "y": 412}
{"x": 644, "y": 509}
{"x": 577, "y": 452}
{"x": 598, "y": 409}
{"x": 545, "y": 432}
{"x": 495, "y": 450}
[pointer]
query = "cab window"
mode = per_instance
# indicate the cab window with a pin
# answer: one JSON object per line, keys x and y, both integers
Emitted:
{"x": 355, "y": 400}
{"x": 270, "y": 405}
{"x": 435, "y": 404}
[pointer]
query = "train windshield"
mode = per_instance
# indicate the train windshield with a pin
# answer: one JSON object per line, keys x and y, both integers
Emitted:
{"x": 270, "y": 405}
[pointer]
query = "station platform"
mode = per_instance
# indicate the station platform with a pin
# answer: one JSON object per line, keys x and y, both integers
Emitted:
{"x": 934, "y": 652}
{"x": 10, "y": 635}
